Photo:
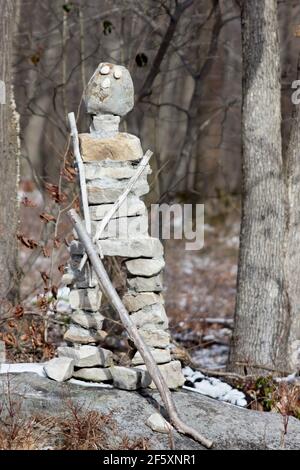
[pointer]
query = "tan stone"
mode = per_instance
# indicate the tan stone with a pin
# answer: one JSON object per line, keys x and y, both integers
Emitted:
{"x": 172, "y": 374}
{"x": 122, "y": 147}
{"x": 85, "y": 299}
{"x": 145, "y": 267}
{"x": 93, "y": 374}
{"x": 155, "y": 338}
{"x": 138, "y": 301}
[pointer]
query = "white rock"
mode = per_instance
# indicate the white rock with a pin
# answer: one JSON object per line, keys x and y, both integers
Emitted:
{"x": 172, "y": 374}
{"x": 87, "y": 356}
{"x": 132, "y": 206}
{"x": 77, "y": 334}
{"x": 158, "y": 424}
{"x": 129, "y": 379}
{"x": 117, "y": 73}
{"x": 137, "y": 302}
{"x": 146, "y": 284}
{"x": 93, "y": 374}
{"x": 88, "y": 320}
{"x": 104, "y": 70}
{"x": 145, "y": 267}
{"x": 155, "y": 338}
{"x": 85, "y": 299}
{"x": 106, "y": 83}
{"x": 133, "y": 248}
{"x": 59, "y": 368}
{"x": 161, "y": 356}
{"x": 152, "y": 315}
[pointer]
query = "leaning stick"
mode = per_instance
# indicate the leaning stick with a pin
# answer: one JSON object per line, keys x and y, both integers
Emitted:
{"x": 82, "y": 182}
{"x": 141, "y": 167}
{"x": 132, "y": 330}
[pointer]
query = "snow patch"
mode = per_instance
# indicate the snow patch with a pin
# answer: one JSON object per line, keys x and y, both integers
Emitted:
{"x": 212, "y": 387}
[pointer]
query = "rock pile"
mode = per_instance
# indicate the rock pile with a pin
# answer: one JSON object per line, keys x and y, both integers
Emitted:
{"x": 110, "y": 159}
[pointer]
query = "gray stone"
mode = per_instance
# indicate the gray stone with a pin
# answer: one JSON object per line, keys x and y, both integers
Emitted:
{"x": 230, "y": 427}
{"x": 146, "y": 284}
{"x": 121, "y": 147}
{"x": 151, "y": 315}
{"x": 124, "y": 227}
{"x": 84, "y": 279}
{"x": 155, "y": 338}
{"x": 145, "y": 267}
{"x": 161, "y": 356}
{"x": 132, "y": 206}
{"x": 133, "y": 248}
{"x": 158, "y": 424}
{"x": 87, "y": 356}
{"x": 59, "y": 369}
{"x": 88, "y": 320}
{"x": 93, "y": 374}
{"x": 109, "y": 93}
{"x": 77, "y": 334}
{"x": 129, "y": 379}
{"x": 105, "y": 126}
{"x": 112, "y": 169}
{"x": 103, "y": 192}
{"x": 2, "y": 352}
{"x": 137, "y": 302}
{"x": 172, "y": 374}
{"x": 85, "y": 299}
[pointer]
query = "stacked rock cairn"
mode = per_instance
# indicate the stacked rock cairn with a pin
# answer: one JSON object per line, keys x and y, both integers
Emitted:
{"x": 110, "y": 159}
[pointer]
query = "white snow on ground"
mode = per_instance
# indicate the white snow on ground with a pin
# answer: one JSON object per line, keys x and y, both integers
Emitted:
{"x": 211, "y": 387}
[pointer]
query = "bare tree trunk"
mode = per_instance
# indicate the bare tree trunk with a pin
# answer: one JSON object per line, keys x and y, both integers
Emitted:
{"x": 292, "y": 264}
{"x": 262, "y": 318}
{"x": 9, "y": 163}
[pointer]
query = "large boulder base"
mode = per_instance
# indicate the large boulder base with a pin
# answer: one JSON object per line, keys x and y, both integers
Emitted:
{"x": 228, "y": 426}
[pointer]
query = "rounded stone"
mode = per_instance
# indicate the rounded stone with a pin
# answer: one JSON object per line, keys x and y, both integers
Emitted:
{"x": 105, "y": 70}
{"x": 113, "y": 97}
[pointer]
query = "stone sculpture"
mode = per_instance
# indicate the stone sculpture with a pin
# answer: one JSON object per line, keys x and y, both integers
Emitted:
{"x": 110, "y": 159}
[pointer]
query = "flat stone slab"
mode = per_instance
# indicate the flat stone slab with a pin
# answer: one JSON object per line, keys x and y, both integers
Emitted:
{"x": 121, "y": 147}
{"x": 172, "y": 374}
{"x": 88, "y": 320}
{"x": 59, "y": 369}
{"x": 78, "y": 335}
{"x": 230, "y": 427}
{"x": 145, "y": 267}
{"x": 151, "y": 315}
{"x": 85, "y": 299}
{"x": 93, "y": 374}
{"x": 160, "y": 356}
{"x": 155, "y": 338}
{"x": 134, "y": 248}
{"x": 87, "y": 356}
{"x": 127, "y": 378}
{"x": 111, "y": 169}
{"x": 132, "y": 206}
{"x": 138, "y": 301}
{"x": 124, "y": 227}
{"x": 146, "y": 284}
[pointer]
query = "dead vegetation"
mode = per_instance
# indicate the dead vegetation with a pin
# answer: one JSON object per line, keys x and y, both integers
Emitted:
{"x": 78, "y": 428}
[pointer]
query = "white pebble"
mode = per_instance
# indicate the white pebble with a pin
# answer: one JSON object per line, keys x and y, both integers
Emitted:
{"x": 105, "y": 83}
{"x": 104, "y": 70}
{"x": 117, "y": 73}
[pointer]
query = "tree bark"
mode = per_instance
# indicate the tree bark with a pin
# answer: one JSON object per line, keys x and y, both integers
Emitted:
{"x": 9, "y": 163}
{"x": 292, "y": 262}
{"x": 262, "y": 317}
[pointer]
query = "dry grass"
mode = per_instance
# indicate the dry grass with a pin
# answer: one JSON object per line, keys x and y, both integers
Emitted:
{"x": 78, "y": 428}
